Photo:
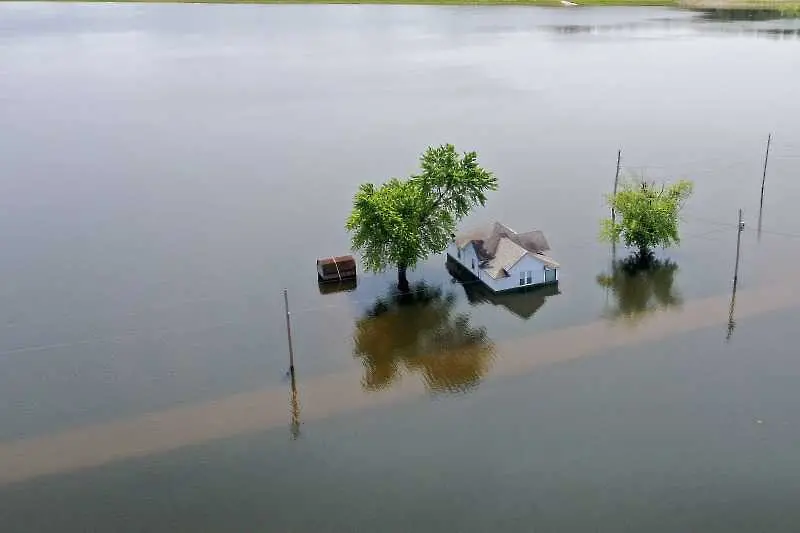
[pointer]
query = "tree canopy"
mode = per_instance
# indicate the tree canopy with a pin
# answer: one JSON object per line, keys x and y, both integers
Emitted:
{"x": 647, "y": 214}
{"x": 401, "y": 222}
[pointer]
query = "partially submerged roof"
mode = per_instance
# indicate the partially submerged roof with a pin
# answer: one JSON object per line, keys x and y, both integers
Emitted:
{"x": 500, "y": 247}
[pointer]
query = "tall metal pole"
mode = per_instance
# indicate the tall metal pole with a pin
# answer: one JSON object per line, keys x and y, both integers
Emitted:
{"x": 764, "y": 176}
{"x": 738, "y": 247}
{"x": 289, "y": 331}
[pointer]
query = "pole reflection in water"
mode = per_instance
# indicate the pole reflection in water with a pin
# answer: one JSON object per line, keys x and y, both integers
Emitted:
{"x": 640, "y": 286}
{"x": 419, "y": 331}
{"x": 739, "y": 229}
{"x": 760, "y": 218}
{"x": 294, "y": 405}
{"x": 731, "y": 319}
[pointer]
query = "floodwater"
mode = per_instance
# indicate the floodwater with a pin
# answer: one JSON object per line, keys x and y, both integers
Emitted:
{"x": 168, "y": 169}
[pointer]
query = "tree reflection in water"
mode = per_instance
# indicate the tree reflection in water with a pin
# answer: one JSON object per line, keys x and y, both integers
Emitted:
{"x": 640, "y": 286}
{"x": 420, "y": 331}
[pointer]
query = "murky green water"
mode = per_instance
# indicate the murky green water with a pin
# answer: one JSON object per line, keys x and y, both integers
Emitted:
{"x": 168, "y": 169}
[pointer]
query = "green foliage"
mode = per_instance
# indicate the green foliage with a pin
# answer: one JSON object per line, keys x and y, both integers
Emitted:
{"x": 402, "y": 222}
{"x": 647, "y": 214}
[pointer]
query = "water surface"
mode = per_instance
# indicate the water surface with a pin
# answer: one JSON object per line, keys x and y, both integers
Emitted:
{"x": 168, "y": 169}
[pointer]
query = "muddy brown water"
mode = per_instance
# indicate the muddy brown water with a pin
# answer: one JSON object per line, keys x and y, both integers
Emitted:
{"x": 168, "y": 169}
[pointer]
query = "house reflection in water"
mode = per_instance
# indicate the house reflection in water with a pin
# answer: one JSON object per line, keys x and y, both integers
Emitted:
{"x": 523, "y": 303}
{"x": 419, "y": 331}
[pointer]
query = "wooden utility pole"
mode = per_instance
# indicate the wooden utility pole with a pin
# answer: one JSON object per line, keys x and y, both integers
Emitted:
{"x": 616, "y": 182}
{"x": 731, "y": 319}
{"x": 764, "y": 176}
{"x": 614, "y": 211}
{"x": 289, "y": 331}
{"x": 763, "y": 181}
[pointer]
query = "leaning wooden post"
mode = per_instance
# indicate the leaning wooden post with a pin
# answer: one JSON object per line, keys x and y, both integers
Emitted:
{"x": 289, "y": 331}
{"x": 764, "y": 176}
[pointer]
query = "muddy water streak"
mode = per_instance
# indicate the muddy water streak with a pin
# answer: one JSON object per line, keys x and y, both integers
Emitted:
{"x": 342, "y": 392}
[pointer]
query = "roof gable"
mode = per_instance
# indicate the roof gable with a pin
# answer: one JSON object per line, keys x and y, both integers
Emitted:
{"x": 488, "y": 238}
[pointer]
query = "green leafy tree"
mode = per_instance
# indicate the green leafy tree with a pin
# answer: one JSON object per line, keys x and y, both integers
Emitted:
{"x": 647, "y": 215}
{"x": 401, "y": 222}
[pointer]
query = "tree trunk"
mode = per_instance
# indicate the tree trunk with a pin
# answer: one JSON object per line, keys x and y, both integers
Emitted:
{"x": 402, "y": 280}
{"x": 644, "y": 256}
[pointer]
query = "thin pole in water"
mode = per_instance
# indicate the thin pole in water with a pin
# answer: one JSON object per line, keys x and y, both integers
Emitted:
{"x": 731, "y": 320}
{"x": 616, "y": 182}
{"x": 763, "y": 181}
{"x": 613, "y": 210}
{"x": 764, "y": 176}
{"x": 289, "y": 331}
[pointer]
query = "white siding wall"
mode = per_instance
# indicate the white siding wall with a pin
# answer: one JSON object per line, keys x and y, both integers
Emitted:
{"x": 468, "y": 255}
{"x": 525, "y": 264}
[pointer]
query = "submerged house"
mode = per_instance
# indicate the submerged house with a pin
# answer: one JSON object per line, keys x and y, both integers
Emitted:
{"x": 503, "y": 259}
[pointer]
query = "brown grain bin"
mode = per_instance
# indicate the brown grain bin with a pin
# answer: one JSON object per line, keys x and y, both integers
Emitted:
{"x": 338, "y": 268}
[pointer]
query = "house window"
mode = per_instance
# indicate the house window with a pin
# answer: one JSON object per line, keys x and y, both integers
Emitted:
{"x": 459, "y": 253}
{"x": 473, "y": 264}
{"x": 526, "y": 277}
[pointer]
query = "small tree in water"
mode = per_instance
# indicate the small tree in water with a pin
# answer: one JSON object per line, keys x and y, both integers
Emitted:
{"x": 647, "y": 215}
{"x": 402, "y": 222}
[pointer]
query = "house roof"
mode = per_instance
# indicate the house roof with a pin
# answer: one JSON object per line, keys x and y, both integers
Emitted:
{"x": 500, "y": 247}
